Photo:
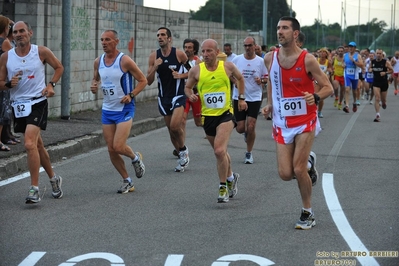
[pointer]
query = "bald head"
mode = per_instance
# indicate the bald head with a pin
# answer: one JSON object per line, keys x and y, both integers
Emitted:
{"x": 210, "y": 50}
{"x": 210, "y": 42}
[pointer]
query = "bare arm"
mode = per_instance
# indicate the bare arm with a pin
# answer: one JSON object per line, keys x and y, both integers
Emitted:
{"x": 129, "y": 65}
{"x": 182, "y": 58}
{"x": 240, "y": 83}
{"x": 268, "y": 108}
{"x": 389, "y": 67}
{"x": 47, "y": 56}
{"x": 192, "y": 80}
{"x": 96, "y": 77}
{"x": 6, "y": 46}
{"x": 153, "y": 64}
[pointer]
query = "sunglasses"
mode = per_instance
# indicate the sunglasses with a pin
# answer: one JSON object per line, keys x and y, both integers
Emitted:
{"x": 248, "y": 45}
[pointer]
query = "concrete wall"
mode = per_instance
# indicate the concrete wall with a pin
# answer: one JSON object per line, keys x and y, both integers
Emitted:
{"x": 136, "y": 26}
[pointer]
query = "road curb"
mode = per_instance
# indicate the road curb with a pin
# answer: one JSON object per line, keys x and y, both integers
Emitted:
{"x": 18, "y": 163}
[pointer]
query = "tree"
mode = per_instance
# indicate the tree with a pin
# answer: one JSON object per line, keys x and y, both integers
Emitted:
{"x": 242, "y": 15}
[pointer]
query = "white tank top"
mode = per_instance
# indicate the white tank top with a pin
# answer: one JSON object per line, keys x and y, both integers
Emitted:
{"x": 32, "y": 79}
{"x": 115, "y": 84}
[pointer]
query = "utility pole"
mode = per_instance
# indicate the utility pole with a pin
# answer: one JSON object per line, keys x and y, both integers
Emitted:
{"x": 264, "y": 22}
{"x": 66, "y": 59}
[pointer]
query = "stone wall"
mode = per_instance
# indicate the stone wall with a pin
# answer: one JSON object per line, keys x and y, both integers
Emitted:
{"x": 136, "y": 27}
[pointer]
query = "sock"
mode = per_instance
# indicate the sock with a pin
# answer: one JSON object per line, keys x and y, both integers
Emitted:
{"x": 53, "y": 178}
{"x": 128, "y": 179}
{"x": 309, "y": 165}
{"x": 35, "y": 187}
{"x": 135, "y": 159}
{"x": 308, "y": 210}
{"x": 230, "y": 178}
{"x": 222, "y": 184}
{"x": 378, "y": 114}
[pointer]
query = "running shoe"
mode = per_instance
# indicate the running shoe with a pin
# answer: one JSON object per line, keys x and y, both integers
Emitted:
{"x": 232, "y": 186}
{"x": 33, "y": 196}
{"x": 56, "y": 186}
{"x": 371, "y": 102}
{"x": 339, "y": 106}
{"x": 346, "y": 109}
{"x": 384, "y": 105}
{"x": 183, "y": 161}
{"x": 354, "y": 108}
{"x": 377, "y": 118}
{"x": 313, "y": 171}
{"x": 320, "y": 115}
{"x": 223, "y": 195}
{"x": 335, "y": 102}
{"x": 357, "y": 102}
{"x": 126, "y": 187}
{"x": 138, "y": 165}
{"x": 306, "y": 221}
{"x": 248, "y": 158}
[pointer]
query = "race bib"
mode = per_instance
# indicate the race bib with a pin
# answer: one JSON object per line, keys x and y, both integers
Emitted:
{"x": 350, "y": 71}
{"x": 293, "y": 106}
{"x": 109, "y": 92}
{"x": 369, "y": 75}
{"x": 215, "y": 100}
{"x": 22, "y": 108}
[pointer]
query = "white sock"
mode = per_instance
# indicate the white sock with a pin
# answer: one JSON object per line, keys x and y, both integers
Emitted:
{"x": 308, "y": 210}
{"x": 129, "y": 179}
{"x": 230, "y": 178}
{"x": 309, "y": 165}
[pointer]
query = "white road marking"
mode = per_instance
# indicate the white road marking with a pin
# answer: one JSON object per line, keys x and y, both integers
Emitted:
{"x": 332, "y": 201}
{"x": 341, "y": 222}
{"x": 17, "y": 178}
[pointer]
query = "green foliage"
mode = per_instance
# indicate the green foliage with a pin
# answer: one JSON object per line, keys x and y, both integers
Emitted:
{"x": 248, "y": 15}
{"x": 242, "y": 15}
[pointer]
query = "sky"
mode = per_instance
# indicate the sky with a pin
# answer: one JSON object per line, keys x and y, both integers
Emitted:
{"x": 328, "y": 11}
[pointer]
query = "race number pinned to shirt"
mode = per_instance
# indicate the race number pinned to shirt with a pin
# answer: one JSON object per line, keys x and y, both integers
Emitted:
{"x": 215, "y": 99}
{"x": 22, "y": 108}
{"x": 109, "y": 91}
{"x": 293, "y": 106}
{"x": 350, "y": 71}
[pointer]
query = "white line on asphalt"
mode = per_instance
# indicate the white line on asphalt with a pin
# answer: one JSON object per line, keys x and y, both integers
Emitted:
{"x": 341, "y": 222}
{"x": 331, "y": 197}
{"x": 17, "y": 178}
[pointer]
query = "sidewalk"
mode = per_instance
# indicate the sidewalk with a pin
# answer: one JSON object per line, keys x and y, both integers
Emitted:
{"x": 82, "y": 133}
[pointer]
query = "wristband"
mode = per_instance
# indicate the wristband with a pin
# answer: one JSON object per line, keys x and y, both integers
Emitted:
{"x": 8, "y": 84}
{"x": 316, "y": 98}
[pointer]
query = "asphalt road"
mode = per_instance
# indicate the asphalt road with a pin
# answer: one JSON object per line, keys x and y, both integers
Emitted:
{"x": 174, "y": 218}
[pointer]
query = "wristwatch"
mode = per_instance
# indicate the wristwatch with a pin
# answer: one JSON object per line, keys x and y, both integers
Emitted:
{"x": 53, "y": 84}
{"x": 316, "y": 98}
{"x": 241, "y": 97}
{"x": 131, "y": 95}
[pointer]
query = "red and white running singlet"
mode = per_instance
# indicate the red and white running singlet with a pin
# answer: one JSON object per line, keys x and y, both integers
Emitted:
{"x": 289, "y": 106}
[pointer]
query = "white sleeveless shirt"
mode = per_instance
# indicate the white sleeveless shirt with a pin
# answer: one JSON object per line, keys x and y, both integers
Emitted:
{"x": 32, "y": 79}
{"x": 115, "y": 83}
